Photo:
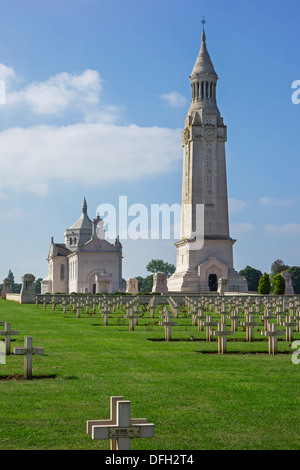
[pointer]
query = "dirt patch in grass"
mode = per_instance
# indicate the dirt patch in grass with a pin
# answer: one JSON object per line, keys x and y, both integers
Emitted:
{"x": 21, "y": 377}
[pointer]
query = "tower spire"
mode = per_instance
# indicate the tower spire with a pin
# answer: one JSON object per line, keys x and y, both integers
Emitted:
{"x": 84, "y": 206}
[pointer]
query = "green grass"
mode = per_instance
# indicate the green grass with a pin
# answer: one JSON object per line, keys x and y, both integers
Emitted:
{"x": 197, "y": 399}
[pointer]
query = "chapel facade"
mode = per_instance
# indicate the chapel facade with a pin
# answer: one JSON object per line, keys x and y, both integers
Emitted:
{"x": 85, "y": 262}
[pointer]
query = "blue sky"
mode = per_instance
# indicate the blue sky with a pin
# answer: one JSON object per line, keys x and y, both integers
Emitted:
{"x": 96, "y": 97}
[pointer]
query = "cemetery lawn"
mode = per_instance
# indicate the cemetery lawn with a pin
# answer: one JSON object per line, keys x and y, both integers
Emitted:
{"x": 197, "y": 399}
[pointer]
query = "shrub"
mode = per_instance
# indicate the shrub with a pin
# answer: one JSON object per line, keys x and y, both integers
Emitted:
{"x": 279, "y": 284}
{"x": 264, "y": 285}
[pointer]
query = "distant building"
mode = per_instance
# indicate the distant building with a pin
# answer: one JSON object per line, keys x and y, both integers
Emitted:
{"x": 86, "y": 262}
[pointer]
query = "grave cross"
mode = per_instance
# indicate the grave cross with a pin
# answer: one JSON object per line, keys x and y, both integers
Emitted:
{"x": 8, "y": 333}
{"x": 222, "y": 337}
{"x": 28, "y": 351}
{"x": 297, "y": 318}
{"x": 267, "y": 317}
{"x": 249, "y": 324}
{"x": 132, "y": 317}
{"x": 112, "y": 420}
{"x": 123, "y": 430}
{"x": 234, "y": 319}
{"x": 200, "y": 317}
{"x": 2, "y": 352}
{"x": 167, "y": 323}
{"x": 209, "y": 323}
{"x": 289, "y": 328}
{"x": 272, "y": 333}
{"x": 105, "y": 316}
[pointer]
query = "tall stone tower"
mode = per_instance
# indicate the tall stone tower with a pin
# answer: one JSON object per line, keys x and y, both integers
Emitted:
{"x": 205, "y": 250}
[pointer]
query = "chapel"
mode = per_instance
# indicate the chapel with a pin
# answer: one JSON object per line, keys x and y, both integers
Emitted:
{"x": 85, "y": 262}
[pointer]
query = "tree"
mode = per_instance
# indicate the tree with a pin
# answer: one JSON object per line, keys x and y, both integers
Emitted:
{"x": 295, "y": 274}
{"x": 145, "y": 284}
{"x": 158, "y": 265}
{"x": 279, "y": 284}
{"x": 11, "y": 276}
{"x": 264, "y": 285}
{"x": 276, "y": 268}
{"x": 252, "y": 276}
{"x": 38, "y": 285}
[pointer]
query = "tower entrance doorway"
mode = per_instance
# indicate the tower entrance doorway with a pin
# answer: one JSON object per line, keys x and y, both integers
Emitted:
{"x": 213, "y": 283}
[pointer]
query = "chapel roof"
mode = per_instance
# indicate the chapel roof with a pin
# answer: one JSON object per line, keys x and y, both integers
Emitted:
{"x": 84, "y": 222}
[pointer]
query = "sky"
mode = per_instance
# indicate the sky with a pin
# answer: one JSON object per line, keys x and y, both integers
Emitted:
{"x": 93, "y": 100}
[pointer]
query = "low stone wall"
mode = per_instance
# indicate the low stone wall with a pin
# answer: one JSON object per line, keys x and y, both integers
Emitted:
{"x": 14, "y": 297}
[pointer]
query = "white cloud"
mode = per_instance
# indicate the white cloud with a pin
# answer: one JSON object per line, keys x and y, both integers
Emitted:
{"x": 60, "y": 92}
{"x": 236, "y": 205}
{"x": 93, "y": 151}
{"x": 87, "y": 153}
{"x": 241, "y": 227}
{"x": 266, "y": 201}
{"x": 7, "y": 74}
{"x": 285, "y": 229}
{"x": 174, "y": 99}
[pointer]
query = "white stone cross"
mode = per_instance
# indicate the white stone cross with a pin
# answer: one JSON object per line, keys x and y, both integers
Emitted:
{"x": 132, "y": 317}
{"x": 2, "y": 352}
{"x": 123, "y": 430}
{"x": 167, "y": 323}
{"x": 272, "y": 333}
{"x": 296, "y": 317}
{"x": 249, "y": 324}
{"x": 222, "y": 337}
{"x": 28, "y": 351}
{"x": 289, "y": 328}
{"x": 234, "y": 319}
{"x": 209, "y": 323}
{"x": 8, "y": 333}
{"x": 200, "y": 317}
{"x": 105, "y": 316}
{"x": 267, "y": 317}
{"x": 112, "y": 420}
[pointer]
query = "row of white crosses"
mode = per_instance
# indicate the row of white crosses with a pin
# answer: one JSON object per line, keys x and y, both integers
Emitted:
{"x": 28, "y": 350}
{"x": 120, "y": 428}
{"x": 271, "y": 330}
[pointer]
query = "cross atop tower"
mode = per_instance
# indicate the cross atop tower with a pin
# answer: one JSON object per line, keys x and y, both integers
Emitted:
{"x": 203, "y": 22}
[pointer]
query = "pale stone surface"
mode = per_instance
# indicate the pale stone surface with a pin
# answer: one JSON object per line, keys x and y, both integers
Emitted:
{"x": 272, "y": 334}
{"x": 28, "y": 351}
{"x": 223, "y": 285}
{"x": 132, "y": 286}
{"x": 86, "y": 262}
{"x": 120, "y": 428}
{"x": 7, "y": 288}
{"x": 289, "y": 290}
{"x": 28, "y": 291}
{"x": 205, "y": 250}
{"x": 160, "y": 283}
{"x": 8, "y": 333}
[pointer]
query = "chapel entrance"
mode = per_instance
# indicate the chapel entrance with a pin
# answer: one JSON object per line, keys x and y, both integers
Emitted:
{"x": 213, "y": 283}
